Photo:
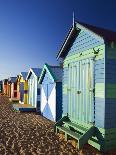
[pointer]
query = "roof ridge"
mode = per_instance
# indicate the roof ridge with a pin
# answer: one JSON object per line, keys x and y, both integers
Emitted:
{"x": 102, "y": 28}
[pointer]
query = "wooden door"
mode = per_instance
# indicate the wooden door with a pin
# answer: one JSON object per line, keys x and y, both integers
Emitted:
{"x": 81, "y": 91}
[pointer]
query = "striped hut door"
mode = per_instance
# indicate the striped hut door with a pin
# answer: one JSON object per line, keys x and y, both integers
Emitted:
{"x": 44, "y": 98}
{"x": 51, "y": 111}
{"x": 34, "y": 88}
{"x": 30, "y": 91}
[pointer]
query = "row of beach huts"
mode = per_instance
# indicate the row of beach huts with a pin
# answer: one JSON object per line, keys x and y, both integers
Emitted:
{"x": 27, "y": 87}
{"x": 79, "y": 95}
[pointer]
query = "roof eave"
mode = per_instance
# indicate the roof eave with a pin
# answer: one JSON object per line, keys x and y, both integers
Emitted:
{"x": 72, "y": 32}
{"x": 46, "y": 67}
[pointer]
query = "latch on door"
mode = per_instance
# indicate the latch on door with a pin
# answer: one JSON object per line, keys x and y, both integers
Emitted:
{"x": 78, "y": 92}
{"x": 92, "y": 90}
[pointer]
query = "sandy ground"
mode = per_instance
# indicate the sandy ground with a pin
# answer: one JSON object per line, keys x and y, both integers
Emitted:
{"x": 31, "y": 134}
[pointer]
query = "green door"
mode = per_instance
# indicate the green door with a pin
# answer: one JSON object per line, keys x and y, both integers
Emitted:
{"x": 81, "y": 91}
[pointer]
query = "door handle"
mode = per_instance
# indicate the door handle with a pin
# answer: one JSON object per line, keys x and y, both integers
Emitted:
{"x": 92, "y": 90}
{"x": 78, "y": 92}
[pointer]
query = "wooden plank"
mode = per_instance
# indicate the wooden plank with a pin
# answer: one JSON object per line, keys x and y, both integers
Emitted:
{"x": 76, "y": 57}
{"x": 76, "y": 126}
{"x": 69, "y": 132}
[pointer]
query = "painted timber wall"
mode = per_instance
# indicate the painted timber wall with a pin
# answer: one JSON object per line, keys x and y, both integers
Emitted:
{"x": 89, "y": 84}
{"x": 22, "y": 87}
{"x": 110, "y": 109}
{"x": 34, "y": 88}
{"x": 82, "y": 60}
{"x": 51, "y": 92}
{"x": 13, "y": 90}
{"x": 5, "y": 86}
{"x": 14, "y": 96}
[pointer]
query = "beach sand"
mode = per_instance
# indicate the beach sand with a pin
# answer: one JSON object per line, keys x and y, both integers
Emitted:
{"x": 32, "y": 134}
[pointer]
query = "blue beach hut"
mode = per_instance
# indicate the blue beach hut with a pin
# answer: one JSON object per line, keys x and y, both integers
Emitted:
{"x": 51, "y": 92}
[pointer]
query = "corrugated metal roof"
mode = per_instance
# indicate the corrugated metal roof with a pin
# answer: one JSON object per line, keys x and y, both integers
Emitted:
{"x": 37, "y": 71}
{"x": 24, "y": 75}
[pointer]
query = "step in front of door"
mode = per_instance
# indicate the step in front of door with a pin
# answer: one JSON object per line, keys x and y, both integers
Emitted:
{"x": 76, "y": 126}
{"x": 79, "y": 133}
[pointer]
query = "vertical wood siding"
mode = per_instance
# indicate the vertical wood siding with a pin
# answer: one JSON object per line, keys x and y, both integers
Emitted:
{"x": 33, "y": 96}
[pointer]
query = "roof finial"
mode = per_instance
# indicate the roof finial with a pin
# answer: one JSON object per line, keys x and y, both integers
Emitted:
{"x": 73, "y": 19}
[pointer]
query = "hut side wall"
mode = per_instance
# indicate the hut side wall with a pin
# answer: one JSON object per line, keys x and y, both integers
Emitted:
{"x": 110, "y": 109}
{"x": 59, "y": 109}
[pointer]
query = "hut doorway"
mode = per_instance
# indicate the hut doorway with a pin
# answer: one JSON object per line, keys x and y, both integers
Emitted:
{"x": 81, "y": 91}
{"x": 48, "y": 99}
{"x": 22, "y": 91}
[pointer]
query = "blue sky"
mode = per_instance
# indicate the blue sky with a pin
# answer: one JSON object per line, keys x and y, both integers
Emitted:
{"x": 32, "y": 31}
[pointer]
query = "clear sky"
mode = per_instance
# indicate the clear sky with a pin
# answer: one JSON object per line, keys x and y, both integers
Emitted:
{"x": 32, "y": 31}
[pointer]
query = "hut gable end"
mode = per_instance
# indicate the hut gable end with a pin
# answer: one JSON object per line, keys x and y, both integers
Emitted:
{"x": 84, "y": 40}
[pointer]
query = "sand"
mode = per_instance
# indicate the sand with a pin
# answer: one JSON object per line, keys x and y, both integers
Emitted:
{"x": 32, "y": 134}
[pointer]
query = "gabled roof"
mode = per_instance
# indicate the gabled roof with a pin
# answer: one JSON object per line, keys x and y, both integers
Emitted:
{"x": 108, "y": 35}
{"x": 24, "y": 75}
{"x": 55, "y": 73}
{"x": 68, "y": 41}
{"x": 12, "y": 79}
{"x": 35, "y": 71}
{"x": 104, "y": 34}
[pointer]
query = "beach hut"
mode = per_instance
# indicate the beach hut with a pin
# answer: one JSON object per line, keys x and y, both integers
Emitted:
{"x": 5, "y": 86}
{"x": 88, "y": 54}
{"x": 13, "y": 81}
{"x": 1, "y": 87}
{"x": 51, "y": 92}
{"x": 22, "y": 88}
{"x": 33, "y": 87}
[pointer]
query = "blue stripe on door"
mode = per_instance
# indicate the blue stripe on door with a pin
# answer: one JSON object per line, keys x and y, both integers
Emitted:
{"x": 50, "y": 88}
